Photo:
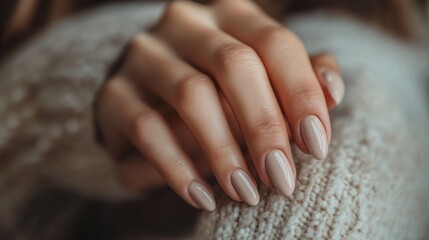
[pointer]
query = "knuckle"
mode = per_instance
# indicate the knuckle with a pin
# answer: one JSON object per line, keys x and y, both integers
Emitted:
{"x": 233, "y": 53}
{"x": 175, "y": 9}
{"x": 237, "y": 7}
{"x": 327, "y": 56}
{"x": 324, "y": 58}
{"x": 223, "y": 150}
{"x": 279, "y": 37}
{"x": 306, "y": 95}
{"x": 192, "y": 87}
{"x": 113, "y": 89}
{"x": 137, "y": 49}
{"x": 144, "y": 124}
{"x": 137, "y": 42}
{"x": 268, "y": 126}
{"x": 110, "y": 88}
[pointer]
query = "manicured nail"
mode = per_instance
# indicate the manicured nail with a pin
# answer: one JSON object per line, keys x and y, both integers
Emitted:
{"x": 280, "y": 172}
{"x": 314, "y": 136}
{"x": 202, "y": 196}
{"x": 245, "y": 187}
{"x": 335, "y": 85}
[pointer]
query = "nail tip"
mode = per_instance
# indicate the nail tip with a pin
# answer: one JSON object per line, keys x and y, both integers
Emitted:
{"x": 337, "y": 99}
{"x": 335, "y": 85}
{"x": 253, "y": 202}
{"x": 314, "y": 137}
{"x": 202, "y": 196}
{"x": 244, "y": 186}
{"x": 321, "y": 156}
{"x": 211, "y": 209}
{"x": 282, "y": 180}
{"x": 286, "y": 193}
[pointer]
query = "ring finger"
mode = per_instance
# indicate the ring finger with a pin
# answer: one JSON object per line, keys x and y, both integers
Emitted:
{"x": 242, "y": 78}
{"x": 150, "y": 134}
{"x": 194, "y": 96}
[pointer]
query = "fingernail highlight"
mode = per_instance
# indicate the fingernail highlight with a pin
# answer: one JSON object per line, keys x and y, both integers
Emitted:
{"x": 314, "y": 136}
{"x": 335, "y": 85}
{"x": 202, "y": 196}
{"x": 245, "y": 187}
{"x": 280, "y": 172}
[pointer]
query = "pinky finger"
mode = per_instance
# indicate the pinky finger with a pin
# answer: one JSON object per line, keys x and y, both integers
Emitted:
{"x": 327, "y": 71}
{"x": 151, "y": 135}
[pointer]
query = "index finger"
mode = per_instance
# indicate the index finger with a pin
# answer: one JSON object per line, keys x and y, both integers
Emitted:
{"x": 289, "y": 69}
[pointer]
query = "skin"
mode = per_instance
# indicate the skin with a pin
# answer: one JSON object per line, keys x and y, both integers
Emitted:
{"x": 220, "y": 86}
{"x": 205, "y": 85}
{"x": 218, "y": 81}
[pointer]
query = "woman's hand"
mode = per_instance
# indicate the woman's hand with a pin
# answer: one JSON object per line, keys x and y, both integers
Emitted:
{"x": 234, "y": 76}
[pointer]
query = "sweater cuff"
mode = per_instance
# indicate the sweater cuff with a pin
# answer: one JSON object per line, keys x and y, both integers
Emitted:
{"x": 47, "y": 96}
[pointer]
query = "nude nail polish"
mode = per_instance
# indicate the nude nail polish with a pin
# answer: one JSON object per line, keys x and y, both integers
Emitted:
{"x": 335, "y": 85}
{"x": 314, "y": 136}
{"x": 202, "y": 196}
{"x": 245, "y": 187}
{"x": 280, "y": 172}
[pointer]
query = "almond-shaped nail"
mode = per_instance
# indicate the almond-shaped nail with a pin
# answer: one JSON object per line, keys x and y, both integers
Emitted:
{"x": 335, "y": 85}
{"x": 202, "y": 196}
{"x": 245, "y": 187}
{"x": 280, "y": 172}
{"x": 314, "y": 136}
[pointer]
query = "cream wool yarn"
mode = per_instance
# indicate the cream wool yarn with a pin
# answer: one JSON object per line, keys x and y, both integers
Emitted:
{"x": 373, "y": 184}
{"x": 47, "y": 92}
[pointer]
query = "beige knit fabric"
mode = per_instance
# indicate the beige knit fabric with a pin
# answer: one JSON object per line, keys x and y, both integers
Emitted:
{"x": 373, "y": 184}
{"x": 47, "y": 92}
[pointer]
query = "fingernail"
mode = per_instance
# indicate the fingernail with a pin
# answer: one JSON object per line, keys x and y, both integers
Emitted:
{"x": 245, "y": 187}
{"x": 314, "y": 136}
{"x": 335, "y": 85}
{"x": 202, "y": 196}
{"x": 280, "y": 172}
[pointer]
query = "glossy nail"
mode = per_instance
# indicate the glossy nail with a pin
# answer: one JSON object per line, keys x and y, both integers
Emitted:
{"x": 245, "y": 187}
{"x": 202, "y": 196}
{"x": 335, "y": 85}
{"x": 314, "y": 136}
{"x": 280, "y": 172}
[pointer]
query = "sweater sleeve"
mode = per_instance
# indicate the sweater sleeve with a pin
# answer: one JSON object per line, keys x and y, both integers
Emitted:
{"x": 47, "y": 92}
{"x": 374, "y": 182}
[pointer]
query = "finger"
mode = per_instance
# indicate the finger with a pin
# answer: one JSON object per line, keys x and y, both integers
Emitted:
{"x": 328, "y": 73}
{"x": 290, "y": 72}
{"x": 194, "y": 96}
{"x": 133, "y": 167}
{"x": 149, "y": 133}
{"x": 242, "y": 78}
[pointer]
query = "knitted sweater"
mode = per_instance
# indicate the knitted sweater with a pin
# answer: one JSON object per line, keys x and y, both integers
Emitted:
{"x": 373, "y": 184}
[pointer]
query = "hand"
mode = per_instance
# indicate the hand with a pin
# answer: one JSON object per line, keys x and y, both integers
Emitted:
{"x": 233, "y": 75}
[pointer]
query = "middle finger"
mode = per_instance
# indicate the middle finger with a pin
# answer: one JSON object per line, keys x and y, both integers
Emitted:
{"x": 244, "y": 81}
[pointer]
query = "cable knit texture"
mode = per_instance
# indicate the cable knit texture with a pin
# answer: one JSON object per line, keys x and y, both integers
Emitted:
{"x": 373, "y": 184}
{"x": 47, "y": 92}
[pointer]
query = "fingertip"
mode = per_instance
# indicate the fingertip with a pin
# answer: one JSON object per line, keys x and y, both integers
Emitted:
{"x": 245, "y": 187}
{"x": 328, "y": 73}
{"x": 201, "y": 196}
{"x": 314, "y": 136}
{"x": 334, "y": 85}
